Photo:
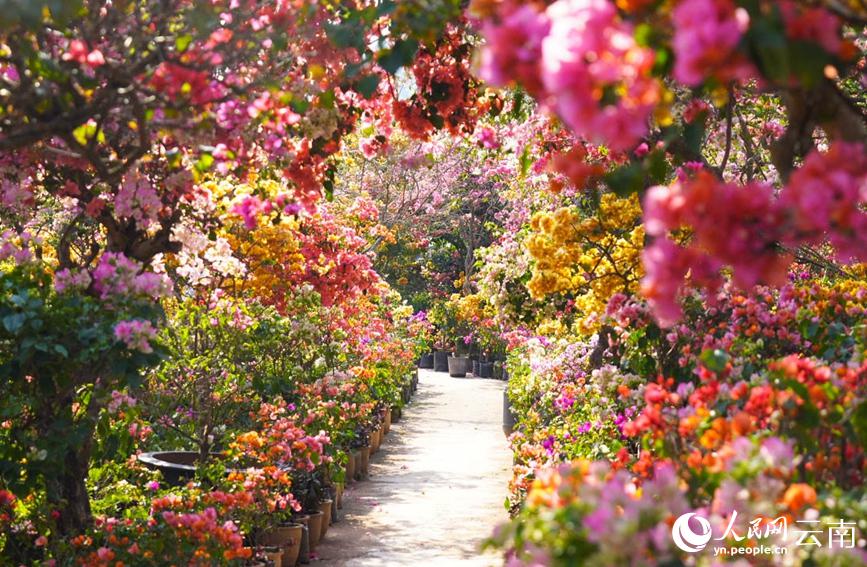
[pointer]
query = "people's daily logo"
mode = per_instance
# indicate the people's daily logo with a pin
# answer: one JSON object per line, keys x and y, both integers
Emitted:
{"x": 693, "y": 537}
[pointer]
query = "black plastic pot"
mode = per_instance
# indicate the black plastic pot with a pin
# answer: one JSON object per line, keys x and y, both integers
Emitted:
{"x": 509, "y": 419}
{"x": 458, "y": 366}
{"x": 426, "y": 361}
{"x": 440, "y": 361}
{"x": 476, "y": 367}
{"x": 498, "y": 370}
{"x": 486, "y": 370}
{"x": 178, "y": 467}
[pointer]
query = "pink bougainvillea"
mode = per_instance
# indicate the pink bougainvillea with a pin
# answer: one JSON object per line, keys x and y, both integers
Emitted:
{"x": 706, "y": 36}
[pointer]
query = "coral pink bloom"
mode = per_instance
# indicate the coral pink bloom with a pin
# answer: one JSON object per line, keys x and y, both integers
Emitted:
{"x": 514, "y": 48}
{"x": 826, "y": 196}
{"x": 597, "y": 76}
{"x": 706, "y": 35}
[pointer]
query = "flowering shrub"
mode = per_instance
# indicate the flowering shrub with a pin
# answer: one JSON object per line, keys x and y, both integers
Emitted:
{"x": 747, "y": 418}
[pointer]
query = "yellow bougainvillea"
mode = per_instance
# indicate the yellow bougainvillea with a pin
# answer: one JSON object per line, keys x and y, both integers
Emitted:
{"x": 265, "y": 245}
{"x": 590, "y": 257}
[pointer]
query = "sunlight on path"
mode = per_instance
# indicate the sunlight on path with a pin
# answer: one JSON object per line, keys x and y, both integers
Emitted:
{"x": 436, "y": 487}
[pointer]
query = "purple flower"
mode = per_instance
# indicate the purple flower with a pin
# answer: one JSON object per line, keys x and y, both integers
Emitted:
{"x": 549, "y": 444}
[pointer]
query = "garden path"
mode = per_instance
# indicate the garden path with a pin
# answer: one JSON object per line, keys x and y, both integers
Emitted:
{"x": 436, "y": 486}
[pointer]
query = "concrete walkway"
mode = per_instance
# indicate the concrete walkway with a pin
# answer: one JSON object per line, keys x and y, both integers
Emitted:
{"x": 436, "y": 486}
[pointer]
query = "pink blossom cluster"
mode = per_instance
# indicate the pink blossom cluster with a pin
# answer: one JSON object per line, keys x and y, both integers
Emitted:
{"x": 16, "y": 195}
{"x": 137, "y": 199}
{"x": 706, "y": 36}
{"x": 68, "y": 280}
{"x": 79, "y": 52}
{"x": 136, "y": 334}
{"x": 598, "y": 75}
{"x": 118, "y": 400}
{"x": 16, "y": 246}
{"x": 116, "y": 275}
{"x": 729, "y": 225}
{"x": 827, "y": 196}
{"x": 591, "y": 68}
{"x": 251, "y": 208}
{"x": 741, "y": 226}
{"x": 814, "y": 24}
{"x": 514, "y": 48}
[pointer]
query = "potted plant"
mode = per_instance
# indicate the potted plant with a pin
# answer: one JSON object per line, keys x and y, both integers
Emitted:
{"x": 458, "y": 366}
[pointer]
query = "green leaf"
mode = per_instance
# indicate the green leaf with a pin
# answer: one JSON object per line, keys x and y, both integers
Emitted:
{"x": 326, "y": 99}
{"x": 86, "y": 132}
{"x": 626, "y": 180}
{"x": 386, "y": 7}
{"x": 714, "y": 360}
{"x": 347, "y": 33}
{"x": 808, "y": 62}
{"x": 367, "y": 85}
{"x": 859, "y": 422}
{"x": 204, "y": 163}
{"x": 402, "y": 54}
{"x": 183, "y": 42}
{"x": 13, "y": 323}
{"x": 768, "y": 41}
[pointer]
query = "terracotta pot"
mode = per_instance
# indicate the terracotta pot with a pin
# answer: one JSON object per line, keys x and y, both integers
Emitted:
{"x": 364, "y": 469}
{"x": 356, "y": 459}
{"x": 386, "y": 424}
{"x": 374, "y": 442}
{"x": 278, "y": 536}
{"x": 304, "y": 552}
{"x": 286, "y": 537}
{"x": 325, "y": 508}
{"x": 338, "y": 495}
{"x": 350, "y": 467}
{"x": 274, "y": 555}
{"x": 314, "y": 525}
{"x": 293, "y": 550}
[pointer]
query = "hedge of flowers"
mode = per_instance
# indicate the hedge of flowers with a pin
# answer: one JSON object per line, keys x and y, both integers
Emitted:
{"x": 168, "y": 270}
{"x": 756, "y": 411}
{"x": 271, "y": 386}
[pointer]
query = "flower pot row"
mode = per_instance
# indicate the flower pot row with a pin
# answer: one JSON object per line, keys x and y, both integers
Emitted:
{"x": 460, "y": 366}
{"x": 292, "y": 543}
{"x": 289, "y": 545}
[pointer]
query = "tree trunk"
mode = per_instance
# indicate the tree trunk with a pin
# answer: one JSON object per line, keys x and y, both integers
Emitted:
{"x": 67, "y": 492}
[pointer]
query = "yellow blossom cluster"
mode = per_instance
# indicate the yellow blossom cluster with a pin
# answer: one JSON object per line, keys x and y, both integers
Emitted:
{"x": 473, "y": 307}
{"x": 588, "y": 256}
{"x": 264, "y": 246}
